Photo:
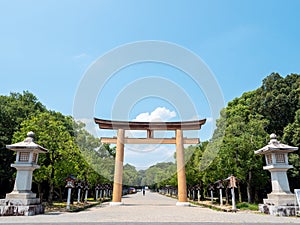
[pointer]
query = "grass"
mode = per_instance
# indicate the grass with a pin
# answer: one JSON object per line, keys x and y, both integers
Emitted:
{"x": 76, "y": 207}
{"x": 239, "y": 206}
{"x": 247, "y": 206}
{"x": 207, "y": 205}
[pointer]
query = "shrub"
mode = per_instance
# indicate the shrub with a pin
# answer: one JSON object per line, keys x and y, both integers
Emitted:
{"x": 247, "y": 206}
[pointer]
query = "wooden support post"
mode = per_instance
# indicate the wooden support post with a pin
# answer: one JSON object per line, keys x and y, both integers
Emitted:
{"x": 149, "y": 133}
{"x": 117, "y": 189}
{"x": 182, "y": 194}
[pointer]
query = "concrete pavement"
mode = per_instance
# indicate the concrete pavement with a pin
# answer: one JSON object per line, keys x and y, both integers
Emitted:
{"x": 149, "y": 209}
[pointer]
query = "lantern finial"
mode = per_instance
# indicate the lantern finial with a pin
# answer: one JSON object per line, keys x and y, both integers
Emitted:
{"x": 273, "y": 138}
{"x": 30, "y": 134}
{"x": 30, "y": 137}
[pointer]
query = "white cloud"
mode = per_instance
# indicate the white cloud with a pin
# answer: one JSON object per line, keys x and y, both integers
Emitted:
{"x": 159, "y": 114}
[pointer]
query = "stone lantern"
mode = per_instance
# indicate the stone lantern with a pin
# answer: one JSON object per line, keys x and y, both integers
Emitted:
{"x": 280, "y": 201}
{"x": 220, "y": 186}
{"x": 79, "y": 186}
{"x": 97, "y": 188}
{"x": 70, "y": 184}
{"x": 211, "y": 189}
{"x": 86, "y": 188}
{"x": 22, "y": 201}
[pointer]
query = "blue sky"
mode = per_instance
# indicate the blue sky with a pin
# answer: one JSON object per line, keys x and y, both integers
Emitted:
{"x": 46, "y": 47}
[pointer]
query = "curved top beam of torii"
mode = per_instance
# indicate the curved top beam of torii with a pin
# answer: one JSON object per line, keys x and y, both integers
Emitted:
{"x": 133, "y": 125}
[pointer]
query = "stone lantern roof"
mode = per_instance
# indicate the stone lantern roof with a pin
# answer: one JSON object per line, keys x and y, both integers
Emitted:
{"x": 28, "y": 144}
{"x": 275, "y": 146}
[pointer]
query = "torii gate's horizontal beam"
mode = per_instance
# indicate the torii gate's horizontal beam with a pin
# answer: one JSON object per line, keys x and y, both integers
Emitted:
{"x": 133, "y": 125}
{"x": 113, "y": 140}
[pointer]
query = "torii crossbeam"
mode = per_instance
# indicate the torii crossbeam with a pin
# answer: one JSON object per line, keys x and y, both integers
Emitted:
{"x": 150, "y": 127}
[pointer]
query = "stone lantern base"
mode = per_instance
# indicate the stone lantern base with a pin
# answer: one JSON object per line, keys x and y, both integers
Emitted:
{"x": 280, "y": 205}
{"x": 20, "y": 204}
{"x": 280, "y": 210}
{"x": 280, "y": 199}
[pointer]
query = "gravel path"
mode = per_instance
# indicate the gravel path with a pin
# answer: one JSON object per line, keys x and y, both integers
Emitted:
{"x": 149, "y": 209}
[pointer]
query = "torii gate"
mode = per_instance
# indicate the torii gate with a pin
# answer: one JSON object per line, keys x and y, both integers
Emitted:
{"x": 150, "y": 127}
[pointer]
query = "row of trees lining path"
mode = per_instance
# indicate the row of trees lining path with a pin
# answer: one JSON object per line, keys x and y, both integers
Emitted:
{"x": 247, "y": 121}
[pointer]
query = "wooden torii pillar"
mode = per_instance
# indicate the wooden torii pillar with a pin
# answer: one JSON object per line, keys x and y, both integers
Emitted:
{"x": 150, "y": 127}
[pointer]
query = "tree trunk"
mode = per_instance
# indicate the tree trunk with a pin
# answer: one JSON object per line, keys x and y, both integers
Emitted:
{"x": 40, "y": 192}
{"x": 51, "y": 191}
{"x": 239, "y": 192}
{"x": 256, "y": 198}
{"x": 249, "y": 195}
{"x": 227, "y": 196}
{"x": 51, "y": 186}
{"x": 59, "y": 194}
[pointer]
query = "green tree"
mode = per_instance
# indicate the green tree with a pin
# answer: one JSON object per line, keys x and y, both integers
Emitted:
{"x": 14, "y": 109}
{"x": 247, "y": 122}
{"x": 63, "y": 157}
{"x": 159, "y": 175}
{"x": 192, "y": 167}
{"x": 278, "y": 100}
{"x": 292, "y": 136}
{"x": 244, "y": 133}
{"x": 98, "y": 157}
{"x": 130, "y": 175}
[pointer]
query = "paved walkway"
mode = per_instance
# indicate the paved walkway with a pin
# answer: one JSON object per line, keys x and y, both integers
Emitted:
{"x": 149, "y": 209}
